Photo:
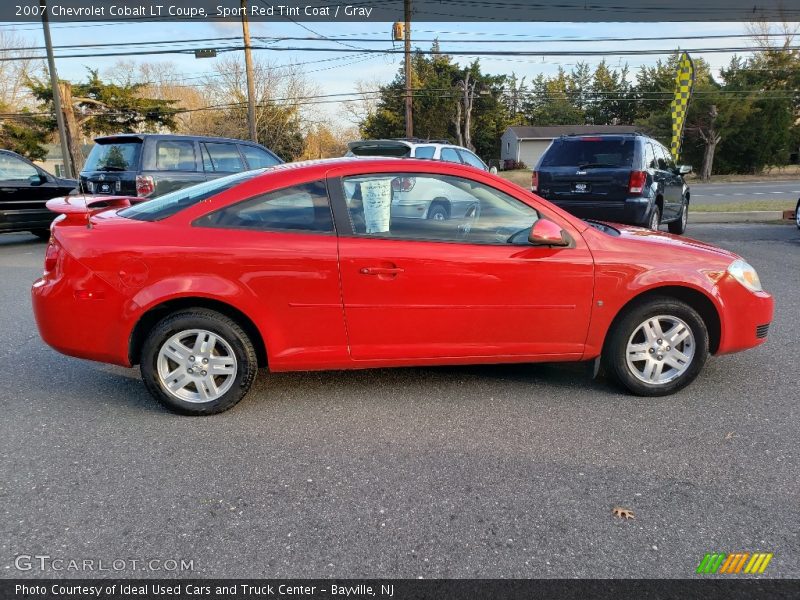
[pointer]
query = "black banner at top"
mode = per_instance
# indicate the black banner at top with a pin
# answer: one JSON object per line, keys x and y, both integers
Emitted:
{"x": 393, "y": 10}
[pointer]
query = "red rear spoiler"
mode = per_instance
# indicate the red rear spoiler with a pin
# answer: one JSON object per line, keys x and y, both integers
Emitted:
{"x": 81, "y": 207}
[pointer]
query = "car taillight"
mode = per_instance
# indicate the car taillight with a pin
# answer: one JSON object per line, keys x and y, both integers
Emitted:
{"x": 51, "y": 257}
{"x": 636, "y": 182}
{"x": 534, "y": 181}
{"x": 145, "y": 185}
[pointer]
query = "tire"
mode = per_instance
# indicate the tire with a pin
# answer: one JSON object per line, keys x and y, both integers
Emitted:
{"x": 797, "y": 214}
{"x": 635, "y": 335}
{"x": 438, "y": 212}
{"x": 678, "y": 226}
{"x": 655, "y": 218}
{"x": 164, "y": 359}
{"x": 42, "y": 234}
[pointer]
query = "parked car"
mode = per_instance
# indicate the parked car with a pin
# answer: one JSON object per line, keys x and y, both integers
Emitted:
{"x": 438, "y": 204}
{"x": 625, "y": 178}
{"x": 307, "y": 266}
{"x": 24, "y": 189}
{"x": 150, "y": 165}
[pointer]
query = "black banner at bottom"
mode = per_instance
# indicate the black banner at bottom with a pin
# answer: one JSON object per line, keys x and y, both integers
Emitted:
{"x": 395, "y": 589}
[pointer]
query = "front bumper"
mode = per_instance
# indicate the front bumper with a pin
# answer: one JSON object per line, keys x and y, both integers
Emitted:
{"x": 745, "y": 316}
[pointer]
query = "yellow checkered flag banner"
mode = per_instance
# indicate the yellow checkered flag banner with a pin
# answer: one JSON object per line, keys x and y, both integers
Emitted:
{"x": 684, "y": 80}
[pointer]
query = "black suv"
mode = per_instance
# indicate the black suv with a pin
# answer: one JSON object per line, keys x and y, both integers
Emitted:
{"x": 154, "y": 164}
{"x": 627, "y": 178}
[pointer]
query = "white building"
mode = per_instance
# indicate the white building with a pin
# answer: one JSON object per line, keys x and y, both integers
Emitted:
{"x": 526, "y": 144}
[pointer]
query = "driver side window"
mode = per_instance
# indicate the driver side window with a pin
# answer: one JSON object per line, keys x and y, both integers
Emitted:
{"x": 406, "y": 206}
{"x": 14, "y": 169}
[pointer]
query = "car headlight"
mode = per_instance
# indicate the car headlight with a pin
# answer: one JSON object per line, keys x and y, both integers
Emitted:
{"x": 745, "y": 274}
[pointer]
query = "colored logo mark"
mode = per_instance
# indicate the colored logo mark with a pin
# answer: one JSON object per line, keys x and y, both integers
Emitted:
{"x": 740, "y": 562}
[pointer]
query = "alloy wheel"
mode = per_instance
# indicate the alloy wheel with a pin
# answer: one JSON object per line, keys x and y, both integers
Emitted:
{"x": 196, "y": 365}
{"x": 660, "y": 349}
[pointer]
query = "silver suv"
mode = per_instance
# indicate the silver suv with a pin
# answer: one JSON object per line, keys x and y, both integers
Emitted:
{"x": 420, "y": 202}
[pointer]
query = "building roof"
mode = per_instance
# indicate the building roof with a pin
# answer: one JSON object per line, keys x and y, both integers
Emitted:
{"x": 550, "y": 132}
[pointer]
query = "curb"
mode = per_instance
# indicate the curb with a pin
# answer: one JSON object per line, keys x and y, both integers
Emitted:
{"x": 753, "y": 216}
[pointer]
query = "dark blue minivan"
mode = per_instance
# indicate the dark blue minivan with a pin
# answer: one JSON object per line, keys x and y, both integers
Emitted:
{"x": 626, "y": 178}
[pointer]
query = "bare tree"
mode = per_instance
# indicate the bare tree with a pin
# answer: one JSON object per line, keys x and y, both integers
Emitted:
{"x": 360, "y": 109}
{"x": 14, "y": 73}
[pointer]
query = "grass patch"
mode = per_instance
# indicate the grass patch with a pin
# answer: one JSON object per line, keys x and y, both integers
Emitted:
{"x": 744, "y": 205}
{"x": 521, "y": 177}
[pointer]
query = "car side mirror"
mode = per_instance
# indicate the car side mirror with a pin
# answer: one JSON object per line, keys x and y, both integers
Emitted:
{"x": 37, "y": 179}
{"x": 684, "y": 169}
{"x": 547, "y": 233}
{"x": 493, "y": 170}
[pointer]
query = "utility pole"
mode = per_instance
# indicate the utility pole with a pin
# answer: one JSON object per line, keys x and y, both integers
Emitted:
{"x": 57, "y": 106}
{"x": 409, "y": 106}
{"x": 248, "y": 65}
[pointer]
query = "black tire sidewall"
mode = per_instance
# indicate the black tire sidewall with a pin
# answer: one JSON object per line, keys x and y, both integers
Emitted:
{"x": 677, "y": 227}
{"x": 615, "y": 357}
{"x": 655, "y": 211}
{"x": 218, "y": 324}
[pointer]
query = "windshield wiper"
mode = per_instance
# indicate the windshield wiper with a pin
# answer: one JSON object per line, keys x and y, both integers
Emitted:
{"x": 596, "y": 166}
{"x": 111, "y": 168}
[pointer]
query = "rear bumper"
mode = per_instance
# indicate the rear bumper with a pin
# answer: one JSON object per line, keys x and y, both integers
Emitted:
{"x": 633, "y": 211}
{"x": 745, "y": 317}
{"x": 78, "y": 324}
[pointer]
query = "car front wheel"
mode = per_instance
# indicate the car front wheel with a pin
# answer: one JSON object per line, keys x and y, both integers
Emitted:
{"x": 657, "y": 348}
{"x": 678, "y": 227}
{"x": 198, "y": 362}
{"x": 655, "y": 219}
{"x": 797, "y": 214}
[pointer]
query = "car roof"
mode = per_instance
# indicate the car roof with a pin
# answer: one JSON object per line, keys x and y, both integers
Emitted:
{"x": 411, "y": 143}
{"x": 170, "y": 136}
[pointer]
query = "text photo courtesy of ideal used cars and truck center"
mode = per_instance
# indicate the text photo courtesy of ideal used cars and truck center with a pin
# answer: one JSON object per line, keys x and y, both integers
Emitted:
{"x": 407, "y": 299}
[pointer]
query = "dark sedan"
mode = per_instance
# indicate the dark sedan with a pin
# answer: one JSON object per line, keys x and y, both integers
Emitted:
{"x": 24, "y": 189}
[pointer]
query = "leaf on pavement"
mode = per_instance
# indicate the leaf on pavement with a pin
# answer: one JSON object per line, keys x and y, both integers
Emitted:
{"x": 622, "y": 513}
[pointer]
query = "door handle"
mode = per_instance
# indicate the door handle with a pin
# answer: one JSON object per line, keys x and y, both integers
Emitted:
{"x": 380, "y": 270}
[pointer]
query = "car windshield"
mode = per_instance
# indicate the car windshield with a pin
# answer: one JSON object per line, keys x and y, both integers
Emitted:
{"x": 169, "y": 204}
{"x": 590, "y": 153}
{"x": 116, "y": 156}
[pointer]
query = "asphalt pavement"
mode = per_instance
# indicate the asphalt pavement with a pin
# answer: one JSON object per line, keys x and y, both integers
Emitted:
{"x": 719, "y": 193}
{"x": 494, "y": 471}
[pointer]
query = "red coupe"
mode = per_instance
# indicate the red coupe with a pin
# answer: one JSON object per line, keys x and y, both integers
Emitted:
{"x": 327, "y": 265}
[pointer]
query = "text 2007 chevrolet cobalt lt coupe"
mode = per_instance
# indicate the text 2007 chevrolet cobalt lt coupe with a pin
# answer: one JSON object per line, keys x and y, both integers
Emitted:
{"x": 305, "y": 266}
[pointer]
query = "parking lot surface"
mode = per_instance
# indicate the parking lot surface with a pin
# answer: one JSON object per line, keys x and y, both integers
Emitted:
{"x": 500, "y": 471}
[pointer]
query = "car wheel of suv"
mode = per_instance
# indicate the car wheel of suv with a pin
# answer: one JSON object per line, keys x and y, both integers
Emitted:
{"x": 198, "y": 362}
{"x": 655, "y": 218}
{"x": 438, "y": 211}
{"x": 657, "y": 347}
{"x": 679, "y": 226}
{"x": 797, "y": 214}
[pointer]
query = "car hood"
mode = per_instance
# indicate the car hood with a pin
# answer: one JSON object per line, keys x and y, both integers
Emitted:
{"x": 678, "y": 242}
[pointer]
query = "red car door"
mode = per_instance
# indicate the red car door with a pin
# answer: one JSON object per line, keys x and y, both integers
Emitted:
{"x": 461, "y": 287}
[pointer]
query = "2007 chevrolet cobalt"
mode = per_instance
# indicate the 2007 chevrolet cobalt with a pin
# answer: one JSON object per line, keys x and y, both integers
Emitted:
{"x": 308, "y": 266}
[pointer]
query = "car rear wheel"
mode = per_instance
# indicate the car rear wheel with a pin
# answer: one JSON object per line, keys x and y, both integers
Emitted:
{"x": 657, "y": 347}
{"x": 198, "y": 362}
{"x": 438, "y": 212}
{"x": 679, "y": 226}
{"x": 655, "y": 219}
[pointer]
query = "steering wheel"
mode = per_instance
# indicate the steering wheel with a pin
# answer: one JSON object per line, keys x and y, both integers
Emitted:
{"x": 471, "y": 217}
{"x": 519, "y": 237}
